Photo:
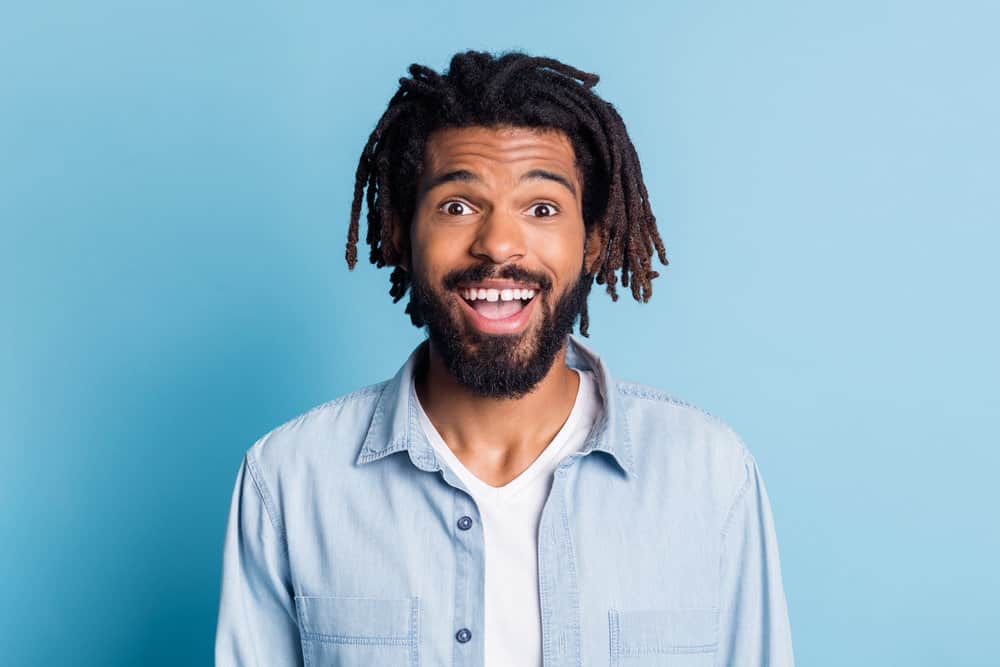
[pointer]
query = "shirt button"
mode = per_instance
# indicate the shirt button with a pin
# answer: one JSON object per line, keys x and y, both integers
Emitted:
{"x": 463, "y": 635}
{"x": 465, "y": 523}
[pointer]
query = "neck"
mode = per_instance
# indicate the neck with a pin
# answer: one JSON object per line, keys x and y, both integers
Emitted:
{"x": 497, "y": 434}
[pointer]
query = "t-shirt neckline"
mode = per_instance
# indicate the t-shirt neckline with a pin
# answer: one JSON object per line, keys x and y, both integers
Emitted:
{"x": 511, "y": 489}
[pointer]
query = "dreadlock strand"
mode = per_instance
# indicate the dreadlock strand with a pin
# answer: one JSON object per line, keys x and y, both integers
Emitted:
{"x": 616, "y": 217}
{"x": 365, "y": 173}
{"x": 649, "y": 219}
{"x": 372, "y": 196}
{"x": 385, "y": 212}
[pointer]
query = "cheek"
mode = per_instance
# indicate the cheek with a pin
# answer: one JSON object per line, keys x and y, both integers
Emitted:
{"x": 424, "y": 250}
{"x": 562, "y": 252}
{"x": 435, "y": 249}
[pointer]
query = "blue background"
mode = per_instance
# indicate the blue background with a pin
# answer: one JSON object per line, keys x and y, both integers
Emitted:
{"x": 175, "y": 184}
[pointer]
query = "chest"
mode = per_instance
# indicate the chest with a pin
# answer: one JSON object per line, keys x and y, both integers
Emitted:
{"x": 391, "y": 569}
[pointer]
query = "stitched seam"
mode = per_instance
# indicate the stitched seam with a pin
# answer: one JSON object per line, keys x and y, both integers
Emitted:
{"x": 747, "y": 462}
{"x": 544, "y": 586}
{"x": 350, "y": 597}
{"x": 415, "y": 632}
{"x": 571, "y": 567}
{"x": 641, "y": 391}
{"x": 656, "y": 646}
{"x": 627, "y": 442}
{"x": 367, "y": 452}
{"x": 303, "y": 612}
{"x": 653, "y": 650}
{"x": 363, "y": 640}
{"x": 265, "y": 497}
{"x": 370, "y": 390}
{"x": 615, "y": 637}
{"x": 726, "y": 524}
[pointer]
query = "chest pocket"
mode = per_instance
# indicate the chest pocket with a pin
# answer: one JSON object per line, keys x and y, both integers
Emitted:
{"x": 663, "y": 637}
{"x": 359, "y": 631}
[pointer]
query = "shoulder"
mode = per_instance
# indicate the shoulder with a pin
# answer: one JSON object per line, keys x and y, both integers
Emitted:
{"x": 659, "y": 408}
{"x": 677, "y": 442}
{"x": 329, "y": 433}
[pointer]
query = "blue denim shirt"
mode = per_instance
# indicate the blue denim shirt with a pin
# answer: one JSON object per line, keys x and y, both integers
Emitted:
{"x": 350, "y": 543}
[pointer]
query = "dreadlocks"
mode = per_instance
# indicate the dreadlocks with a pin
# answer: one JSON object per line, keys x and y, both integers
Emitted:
{"x": 513, "y": 89}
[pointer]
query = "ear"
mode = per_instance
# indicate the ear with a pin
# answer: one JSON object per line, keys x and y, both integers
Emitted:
{"x": 593, "y": 248}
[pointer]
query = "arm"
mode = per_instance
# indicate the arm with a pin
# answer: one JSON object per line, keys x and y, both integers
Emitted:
{"x": 754, "y": 630}
{"x": 257, "y": 623}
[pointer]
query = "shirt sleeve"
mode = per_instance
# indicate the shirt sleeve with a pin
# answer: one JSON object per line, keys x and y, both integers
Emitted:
{"x": 754, "y": 630}
{"x": 257, "y": 623}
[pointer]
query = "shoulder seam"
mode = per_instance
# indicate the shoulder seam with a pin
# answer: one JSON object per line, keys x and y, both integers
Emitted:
{"x": 748, "y": 463}
{"x": 370, "y": 390}
{"x": 264, "y": 494}
{"x": 636, "y": 390}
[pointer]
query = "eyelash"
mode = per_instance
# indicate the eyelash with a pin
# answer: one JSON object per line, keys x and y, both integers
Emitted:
{"x": 554, "y": 208}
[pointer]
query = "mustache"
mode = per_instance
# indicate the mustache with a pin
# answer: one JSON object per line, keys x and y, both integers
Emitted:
{"x": 479, "y": 272}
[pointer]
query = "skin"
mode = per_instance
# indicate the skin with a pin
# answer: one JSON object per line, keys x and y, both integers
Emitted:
{"x": 499, "y": 214}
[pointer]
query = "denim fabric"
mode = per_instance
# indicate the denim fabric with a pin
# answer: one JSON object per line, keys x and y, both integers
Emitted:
{"x": 656, "y": 545}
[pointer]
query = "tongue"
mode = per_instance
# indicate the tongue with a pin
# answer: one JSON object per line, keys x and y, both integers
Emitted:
{"x": 497, "y": 310}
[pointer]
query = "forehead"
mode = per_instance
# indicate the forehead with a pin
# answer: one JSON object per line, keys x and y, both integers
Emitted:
{"x": 499, "y": 146}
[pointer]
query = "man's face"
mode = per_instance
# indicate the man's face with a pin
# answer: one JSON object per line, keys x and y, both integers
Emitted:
{"x": 497, "y": 247}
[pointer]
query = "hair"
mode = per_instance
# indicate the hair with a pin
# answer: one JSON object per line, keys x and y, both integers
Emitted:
{"x": 512, "y": 89}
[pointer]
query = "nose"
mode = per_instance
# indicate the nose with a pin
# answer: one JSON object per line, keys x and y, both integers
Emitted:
{"x": 499, "y": 239}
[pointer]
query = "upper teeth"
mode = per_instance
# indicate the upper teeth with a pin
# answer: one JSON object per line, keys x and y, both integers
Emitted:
{"x": 472, "y": 293}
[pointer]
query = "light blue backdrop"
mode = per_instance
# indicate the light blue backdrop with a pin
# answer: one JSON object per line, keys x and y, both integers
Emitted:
{"x": 174, "y": 190}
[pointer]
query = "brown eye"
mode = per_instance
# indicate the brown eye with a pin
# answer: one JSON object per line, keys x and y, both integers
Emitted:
{"x": 543, "y": 210}
{"x": 455, "y": 208}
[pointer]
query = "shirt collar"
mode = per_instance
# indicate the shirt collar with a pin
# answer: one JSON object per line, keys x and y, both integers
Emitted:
{"x": 395, "y": 425}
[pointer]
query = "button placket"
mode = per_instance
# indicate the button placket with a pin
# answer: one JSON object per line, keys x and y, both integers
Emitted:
{"x": 470, "y": 557}
{"x": 557, "y": 578}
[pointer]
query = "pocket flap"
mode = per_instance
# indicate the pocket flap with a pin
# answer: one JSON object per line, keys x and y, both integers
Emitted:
{"x": 640, "y": 631}
{"x": 352, "y": 618}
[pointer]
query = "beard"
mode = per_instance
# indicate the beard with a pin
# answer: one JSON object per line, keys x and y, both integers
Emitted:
{"x": 496, "y": 365}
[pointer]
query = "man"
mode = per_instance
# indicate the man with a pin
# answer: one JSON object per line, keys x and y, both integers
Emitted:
{"x": 503, "y": 500}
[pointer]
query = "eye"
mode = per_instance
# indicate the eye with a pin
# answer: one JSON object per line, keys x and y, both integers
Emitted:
{"x": 543, "y": 210}
{"x": 455, "y": 207}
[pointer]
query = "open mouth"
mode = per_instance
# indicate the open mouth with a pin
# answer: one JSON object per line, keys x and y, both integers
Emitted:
{"x": 497, "y": 303}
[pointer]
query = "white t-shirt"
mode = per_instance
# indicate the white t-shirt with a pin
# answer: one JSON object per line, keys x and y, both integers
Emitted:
{"x": 510, "y": 516}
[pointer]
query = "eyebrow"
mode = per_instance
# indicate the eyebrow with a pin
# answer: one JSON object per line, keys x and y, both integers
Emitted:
{"x": 536, "y": 174}
{"x": 466, "y": 176}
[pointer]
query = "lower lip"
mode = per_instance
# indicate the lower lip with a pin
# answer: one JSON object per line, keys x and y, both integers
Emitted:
{"x": 507, "y": 325}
